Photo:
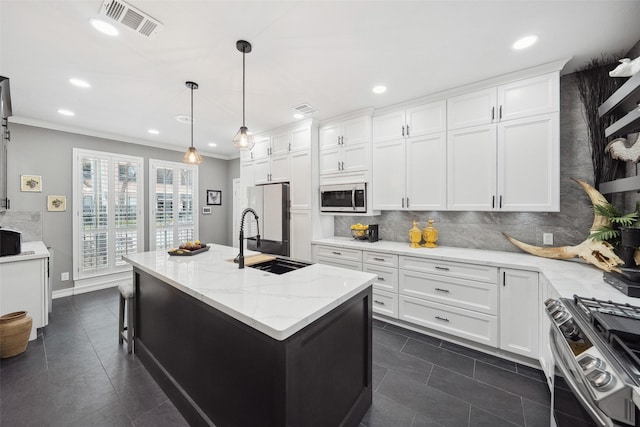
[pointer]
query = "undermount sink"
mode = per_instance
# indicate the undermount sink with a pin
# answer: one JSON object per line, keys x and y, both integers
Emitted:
{"x": 280, "y": 265}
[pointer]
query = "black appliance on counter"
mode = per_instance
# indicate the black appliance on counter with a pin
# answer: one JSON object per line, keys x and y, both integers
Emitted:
{"x": 596, "y": 349}
{"x": 10, "y": 242}
{"x": 373, "y": 233}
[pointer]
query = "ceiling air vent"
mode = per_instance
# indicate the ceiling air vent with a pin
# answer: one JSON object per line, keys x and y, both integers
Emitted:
{"x": 130, "y": 17}
{"x": 305, "y": 109}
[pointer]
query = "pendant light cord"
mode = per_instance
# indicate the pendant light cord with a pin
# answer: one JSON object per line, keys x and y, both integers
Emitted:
{"x": 243, "y": 54}
{"x": 191, "y": 115}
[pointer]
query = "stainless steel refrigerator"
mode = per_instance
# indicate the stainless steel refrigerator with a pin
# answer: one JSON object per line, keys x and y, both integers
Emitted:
{"x": 271, "y": 203}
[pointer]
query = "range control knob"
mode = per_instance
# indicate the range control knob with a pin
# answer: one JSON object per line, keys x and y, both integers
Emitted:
{"x": 570, "y": 330}
{"x": 599, "y": 378}
{"x": 560, "y": 315}
{"x": 588, "y": 363}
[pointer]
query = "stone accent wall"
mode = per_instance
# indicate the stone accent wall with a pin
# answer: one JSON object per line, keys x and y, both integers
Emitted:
{"x": 29, "y": 223}
{"x": 482, "y": 230}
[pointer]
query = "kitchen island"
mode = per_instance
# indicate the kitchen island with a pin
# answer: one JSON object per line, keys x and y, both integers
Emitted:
{"x": 243, "y": 347}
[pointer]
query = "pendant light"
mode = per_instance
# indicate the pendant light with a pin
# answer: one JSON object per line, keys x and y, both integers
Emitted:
{"x": 243, "y": 140}
{"x": 192, "y": 156}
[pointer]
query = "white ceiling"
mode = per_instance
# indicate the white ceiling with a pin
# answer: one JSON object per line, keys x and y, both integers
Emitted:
{"x": 325, "y": 53}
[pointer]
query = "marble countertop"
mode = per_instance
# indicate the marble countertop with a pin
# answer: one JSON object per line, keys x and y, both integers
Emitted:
{"x": 277, "y": 305}
{"x": 568, "y": 277}
{"x": 30, "y": 250}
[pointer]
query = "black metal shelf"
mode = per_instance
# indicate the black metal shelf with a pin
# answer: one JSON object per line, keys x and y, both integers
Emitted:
{"x": 623, "y": 100}
{"x": 628, "y": 124}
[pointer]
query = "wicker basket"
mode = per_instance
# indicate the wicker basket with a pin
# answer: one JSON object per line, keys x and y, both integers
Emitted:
{"x": 15, "y": 329}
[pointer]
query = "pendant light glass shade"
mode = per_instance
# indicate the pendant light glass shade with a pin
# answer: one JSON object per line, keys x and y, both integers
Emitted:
{"x": 192, "y": 156}
{"x": 243, "y": 140}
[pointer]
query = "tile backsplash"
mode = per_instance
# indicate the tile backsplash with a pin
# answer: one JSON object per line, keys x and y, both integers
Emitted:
{"x": 29, "y": 223}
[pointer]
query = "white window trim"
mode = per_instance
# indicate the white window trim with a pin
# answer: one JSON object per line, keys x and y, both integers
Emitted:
{"x": 103, "y": 276}
{"x": 154, "y": 164}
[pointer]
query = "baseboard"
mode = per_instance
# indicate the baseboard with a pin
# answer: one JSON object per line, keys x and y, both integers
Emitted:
{"x": 95, "y": 284}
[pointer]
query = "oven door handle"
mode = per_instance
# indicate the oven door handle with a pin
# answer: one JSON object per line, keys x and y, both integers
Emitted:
{"x": 586, "y": 402}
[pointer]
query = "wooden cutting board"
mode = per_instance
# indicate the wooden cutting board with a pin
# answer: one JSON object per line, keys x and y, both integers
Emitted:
{"x": 255, "y": 259}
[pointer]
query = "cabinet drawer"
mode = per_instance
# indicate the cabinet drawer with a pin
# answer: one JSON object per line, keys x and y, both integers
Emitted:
{"x": 378, "y": 258}
{"x": 385, "y": 303}
{"x": 336, "y": 262}
{"x": 461, "y": 270}
{"x": 462, "y": 293}
{"x": 340, "y": 253}
{"x": 387, "y": 277}
{"x": 471, "y": 325}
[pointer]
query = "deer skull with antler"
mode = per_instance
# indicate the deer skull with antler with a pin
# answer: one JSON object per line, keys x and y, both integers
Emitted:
{"x": 598, "y": 253}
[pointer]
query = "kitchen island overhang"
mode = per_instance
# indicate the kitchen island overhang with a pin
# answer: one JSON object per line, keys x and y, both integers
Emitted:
{"x": 244, "y": 347}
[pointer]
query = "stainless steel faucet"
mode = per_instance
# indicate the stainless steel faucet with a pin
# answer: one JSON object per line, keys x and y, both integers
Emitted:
{"x": 240, "y": 258}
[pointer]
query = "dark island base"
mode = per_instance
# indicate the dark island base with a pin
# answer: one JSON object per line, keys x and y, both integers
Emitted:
{"x": 217, "y": 370}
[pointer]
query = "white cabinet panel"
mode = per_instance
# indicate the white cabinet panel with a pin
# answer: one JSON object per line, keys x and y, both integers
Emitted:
{"x": 339, "y": 253}
{"x": 300, "y": 138}
{"x": 279, "y": 168}
{"x": 387, "y": 277}
{"x": 519, "y": 312}
{"x": 426, "y": 172}
{"x": 474, "y": 326}
{"x": 336, "y": 262}
{"x": 329, "y": 136}
{"x": 471, "y": 109}
{"x": 426, "y": 119}
{"x": 300, "y": 179}
{"x": 280, "y": 143}
{"x": 261, "y": 170}
{"x": 355, "y": 158}
{"x": 345, "y": 146}
{"x": 528, "y": 170}
{"x": 357, "y": 131}
{"x": 471, "y": 171}
{"x": 388, "y": 126}
{"x": 378, "y": 258}
{"x": 388, "y": 175}
{"x": 385, "y": 303}
{"x": 329, "y": 161}
{"x": 483, "y": 273}
{"x": 262, "y": 147}
{"x": 300, "y": 235}
{"x": 529, "y": 97}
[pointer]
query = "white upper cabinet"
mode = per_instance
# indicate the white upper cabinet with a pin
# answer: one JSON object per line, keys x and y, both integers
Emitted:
{"x": 409, "y": 159}
{"x": 300, "y": 179}
{"x": 421, "y": 120}
{"x": 262, "y": 147}
{"x": 345, "y": 146}
{"x": 505, "y": 155}
{"x": 279, "y": 143}
{"x": 300, "y": 138}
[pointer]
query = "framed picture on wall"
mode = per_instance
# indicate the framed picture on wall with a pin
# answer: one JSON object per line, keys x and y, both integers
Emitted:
{"x": 31, "y": 183}
{"x": 214, "y": 197}
{"x": 56, "y": 203}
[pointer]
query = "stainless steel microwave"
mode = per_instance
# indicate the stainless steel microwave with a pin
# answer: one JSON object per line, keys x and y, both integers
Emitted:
{"x": 343, "y": 198}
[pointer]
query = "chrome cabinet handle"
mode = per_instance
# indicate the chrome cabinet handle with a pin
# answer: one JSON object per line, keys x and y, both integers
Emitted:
{"x": 444, "y": 319}
{"x": 402, "y": 130}
{"x": 403, "y": 202}
{"x": 500, "y": 202}
{"x": 336, "y": 253}
{"x": 338, "y": 139}
{"x": 378, "y": 259}
{"x": 407, "y": 202}
{"x": 342, "y": 140}
{"x": 493, "y": 113}
{"x": 446, "y": 291}
{"x": 442, "y": 268}
{"x": 380, "y": 279}
{"x": 342, "y": 165}
{"x": 378, "y": 302}
{"x": 493, "y": 202}
{"x": 407, "y": 130}
{"x": 289, "y": 146}
{"x": 338, "y": 165}
{"x": 500, "y": 113}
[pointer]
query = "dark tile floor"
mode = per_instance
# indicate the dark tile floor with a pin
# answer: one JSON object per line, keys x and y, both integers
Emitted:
{"x": 76, "y": 374}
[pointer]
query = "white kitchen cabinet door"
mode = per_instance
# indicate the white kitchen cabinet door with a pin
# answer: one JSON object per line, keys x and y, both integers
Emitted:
{"x": 246, "y": 156}
{"x": 471, "y": 109}
{"x": 246, "y": 180}
{"x": 300, "y": 138}
{"x": 261, "y": 170}
{"x": 426, "y": 169}
{"x": 426, "y": 119}
{"x": 471, "y": 169}
{"x": 262, "y": 147}
{"x": 279, "y": 171}
{"x": 545, "y": 355}
{"x": 388, "y": 126}
{"x": 519, "y": 312}
{"x": 355, "y": 158}
{"x": 329, "y": 160}
{"x": 329, "y": 136}
{"x": 280, "y": 143}
{"x": 528, "y": 164}
{"x": 389, "y": 175}
{"x": 300, "y": 238}
{"x": 300, "y": 179}
{"x": 529, "y": 97}
{"x": 357, "y": 131}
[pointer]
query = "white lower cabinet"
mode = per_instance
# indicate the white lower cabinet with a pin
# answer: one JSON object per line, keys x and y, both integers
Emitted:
{"x": 385, "y": 303}
{"x": 471, "y": 325}
{"x": 300, "y": 238}
{"x": 519, "y": 312}
{"x": 545, "y": 357}
{"x": 385, "y": 288}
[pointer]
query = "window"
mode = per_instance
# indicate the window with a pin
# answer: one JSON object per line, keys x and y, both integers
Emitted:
{"x": 173, "y": 196}
{"x": 108, "y": 222}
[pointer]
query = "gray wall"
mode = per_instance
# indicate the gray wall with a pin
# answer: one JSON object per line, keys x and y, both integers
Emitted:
{"x": 233, "y": 172}
{"x": 48, "y": 153}
{"x": 482, "y": 230}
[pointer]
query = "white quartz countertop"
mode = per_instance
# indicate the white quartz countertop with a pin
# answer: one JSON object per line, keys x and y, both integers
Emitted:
{"x": 277, "y": 305}
{"x": 568, "y": 277}
{"x": 29, "y": 250}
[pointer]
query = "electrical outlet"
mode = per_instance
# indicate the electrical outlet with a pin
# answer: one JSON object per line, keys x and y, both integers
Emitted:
{"x": 547, "y": 238}
{"x": 64, "y": 276}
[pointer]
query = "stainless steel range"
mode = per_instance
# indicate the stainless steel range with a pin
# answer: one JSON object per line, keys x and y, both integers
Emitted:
{"x": 596, "y": 347}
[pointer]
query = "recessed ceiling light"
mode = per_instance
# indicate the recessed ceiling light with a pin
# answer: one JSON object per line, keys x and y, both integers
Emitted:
{"x": 298, "y": 116}
{"x": 66, "y": 112}
{"x": 213, "y": 144}
{"x": 104, "y": 27}
{"x": 78, "y": 82}
{"x": 525, "y": 42}
{"x": 154, "y": 131}
{"x": 184, "y": 119}
{"x": 379, "y": 89}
